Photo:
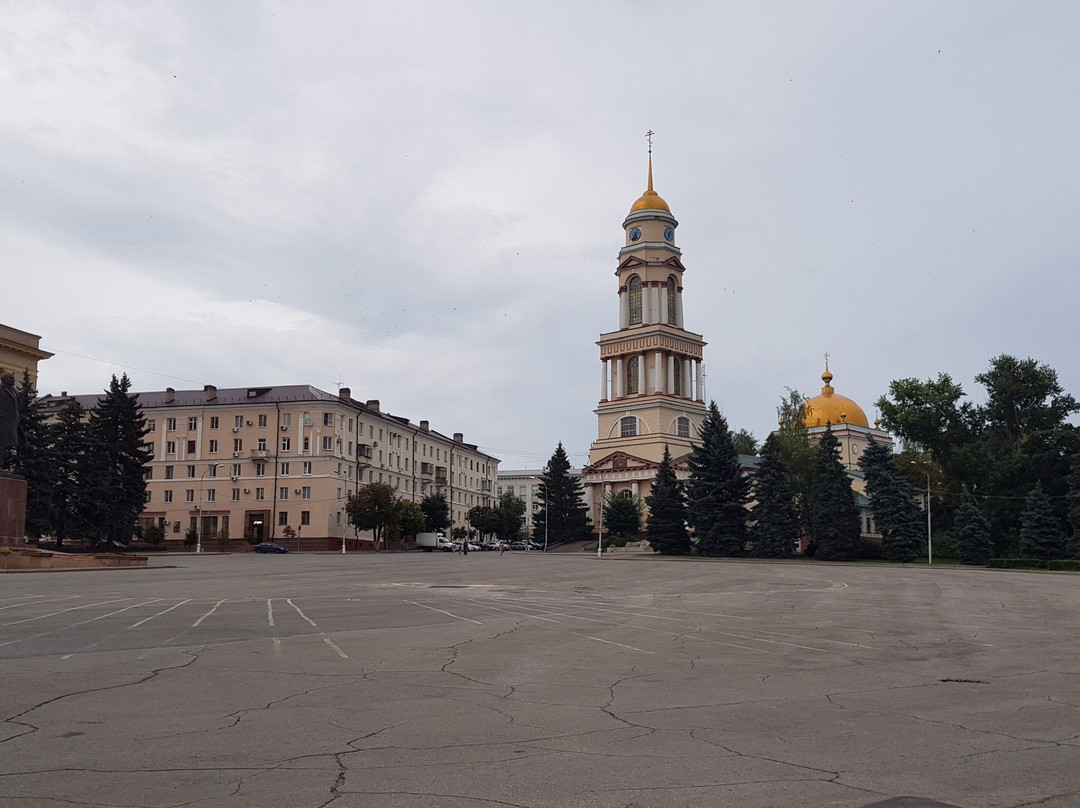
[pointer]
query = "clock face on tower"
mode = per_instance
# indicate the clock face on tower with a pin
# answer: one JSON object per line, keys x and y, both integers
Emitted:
{"x": 635, "y": 233}
{"x": 669, "y": 234}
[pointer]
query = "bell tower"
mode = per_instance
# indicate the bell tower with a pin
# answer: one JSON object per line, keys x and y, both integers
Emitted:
{"x": 651, "y": 392}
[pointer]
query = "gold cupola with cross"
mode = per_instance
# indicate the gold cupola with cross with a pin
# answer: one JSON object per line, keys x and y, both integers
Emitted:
{"x": 651, "y": 381}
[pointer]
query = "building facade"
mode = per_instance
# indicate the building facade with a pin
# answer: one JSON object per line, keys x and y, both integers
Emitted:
{"x": 651, "y": 381}
{"x": 20, "y": 353}
{"x": 280, "y": 461}
{"x": 525, "y": 484}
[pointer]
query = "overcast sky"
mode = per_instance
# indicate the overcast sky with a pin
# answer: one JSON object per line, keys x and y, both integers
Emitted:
{"x": 423, "y": 201}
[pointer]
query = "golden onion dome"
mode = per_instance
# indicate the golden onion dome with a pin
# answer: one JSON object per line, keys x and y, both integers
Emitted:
{"x": 650, "y": 200}
{"x": 829, "y": 408}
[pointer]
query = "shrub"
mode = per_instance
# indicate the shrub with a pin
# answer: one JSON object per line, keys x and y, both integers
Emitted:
{"x": 870, "y": 549}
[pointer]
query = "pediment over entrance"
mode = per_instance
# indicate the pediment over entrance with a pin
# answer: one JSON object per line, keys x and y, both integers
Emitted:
{"x": 621, "y": 462}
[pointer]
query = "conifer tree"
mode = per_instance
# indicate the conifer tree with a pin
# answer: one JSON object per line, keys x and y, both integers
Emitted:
{"x": 34, "y": 461}
{"x": 972, "y": 532}
{"x": 777, "y": 528}
{"x": 666, "y": 525}
{"x": 717, "y": 491}
{"x": 1040, "y": 532}
{"x": 834, "y": 515}
{"x": 895, "y": 512}
{"x": 622, "y": 514}
{"x": 1073, "y": 545}
{"x": 74, "y": 508}
{"x": 118, "y": 430}
{"x": 566, "y": 516}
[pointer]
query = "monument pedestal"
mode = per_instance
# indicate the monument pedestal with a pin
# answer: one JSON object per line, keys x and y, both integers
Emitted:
{"x": 12, "y": 510}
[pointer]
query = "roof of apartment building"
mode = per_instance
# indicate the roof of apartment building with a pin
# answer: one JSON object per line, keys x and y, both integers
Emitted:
{"x": 507, "y": 473}
{"x": 272, "y": 394}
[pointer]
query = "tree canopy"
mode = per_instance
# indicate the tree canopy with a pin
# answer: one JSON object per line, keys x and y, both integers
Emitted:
{"x": 565, "y": 515}
{"x": 716, "y": 493}
{"x": 666, "y": 526}
{"x": 891, "y": 499}
{"x": 833, "y": 513}
{"x": 775, "y": 532}
{"x": 622, "y": 514}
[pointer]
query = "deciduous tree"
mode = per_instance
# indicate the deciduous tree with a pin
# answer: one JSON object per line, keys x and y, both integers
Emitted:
{"x": 372, "y": 508}
{"x": 436, "y": 512}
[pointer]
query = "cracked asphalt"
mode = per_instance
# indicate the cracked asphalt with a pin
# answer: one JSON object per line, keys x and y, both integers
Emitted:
{"x": 394, "y": 681}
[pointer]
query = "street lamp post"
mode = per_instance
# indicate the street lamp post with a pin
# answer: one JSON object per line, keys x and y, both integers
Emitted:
{"x": 199, "y": 524}
{"x": 600, "y": 541}
{"x": 546, "y": 520}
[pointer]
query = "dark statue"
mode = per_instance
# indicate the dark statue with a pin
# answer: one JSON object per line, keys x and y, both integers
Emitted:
{"x": 9, "y": 418}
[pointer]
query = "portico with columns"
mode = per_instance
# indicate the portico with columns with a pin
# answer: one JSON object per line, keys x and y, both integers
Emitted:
{"x": 651, "y": 380}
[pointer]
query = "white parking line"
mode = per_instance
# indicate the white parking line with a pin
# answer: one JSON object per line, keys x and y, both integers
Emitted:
{"x": 341, "y": 653}
{"x": 196, "y": 623}
{"x": 299, "y": 612}
{"x": 36, "y": 602}
{"x": 440, "y": 611}
{"x": 632, "y": 648}
{"x": 325, "y": 637}
{"x": 64, "y": 611}
{"x": 270, "y": 612}
{"x": 151, "y": 617}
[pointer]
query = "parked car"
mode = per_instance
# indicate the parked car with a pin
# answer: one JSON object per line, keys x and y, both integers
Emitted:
{"x": 269, "y": 547}
{"x": 518, "y": 545}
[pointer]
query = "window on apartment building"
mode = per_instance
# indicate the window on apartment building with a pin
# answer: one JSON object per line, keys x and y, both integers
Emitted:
{"x": 190, "y": 471}
{"x": 236, "y": 495}
{"x": 238, "y": 445}
{"x": 214, "y": 422}
{"x": 149, "y": 473}
{"x": 191, "y": 447}
{"x": 238, "y": 421}
{"x": 286, "y": 444}
{"x": 498, "y": 490}
{"x": 284, "y": 469}
{"x": 628, "y": 426}
{"x": 146, "y": 498}
{"x": 306, "y": 468}
{"x": 192, "y": 423}
{"x": 283, "y": 492}
{"x": 350, "y": 448}
{"x": 305, "y": 517}
{"x": 305, "y": 492}
{"x": 286, "y": 419}
{"x": 328, "y": 419}
{"x": 211, "y": 495}
{"x": 168, "y": 472}
{"x": 213, "y": 447}
{"x": 260, "y": 493}
{"x": 328, "y": 443}
{"x": 339, "y": 493}
{"x": 339, "y": 519}
{"x": 260, "y": 469}
{"x": 261, "y": 445}
{"x": 306, "y": 444}
{"x": 262, "y": 420}
{"x": 283, "y": 517}
{"x": 211, "y": 470}
{"x": 170, "y": 424}
{"x": 236, "y": 469}
{"x": 151, "y": 425}
{"x": 189, "y": 495}
{"x": 168, "y": 495}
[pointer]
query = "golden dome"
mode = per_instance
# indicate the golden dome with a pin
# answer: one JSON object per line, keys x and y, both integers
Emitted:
{"x": 650, "y": 200}
{"x": 829, "y": 408}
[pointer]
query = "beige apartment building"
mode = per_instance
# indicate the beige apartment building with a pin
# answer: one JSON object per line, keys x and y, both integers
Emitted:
{"x": 271, "y": 462}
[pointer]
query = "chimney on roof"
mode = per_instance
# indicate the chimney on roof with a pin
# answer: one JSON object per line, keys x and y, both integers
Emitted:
{"x": 63, "y": 394}
{"x": 459, "y": 437}
{"x": 373, "y": 404}
{"x": 424, "y": 426}
{"x": 170, "y": 395}
{"x": 211, "y": 392}
{"x": 345, "y": 394}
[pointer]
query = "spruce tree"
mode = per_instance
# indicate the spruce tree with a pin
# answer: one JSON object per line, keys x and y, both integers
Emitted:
{"x": 1073, "y": 545}
{"x": 834, "y": 515}
{"x": 717, "y": 491}
{"x": 565, "y": 515}
{"x": 622, "y": 514}
{"x": 1040, "y": 532}
{"x": 118, "y": 430}
{"x": 74, "y": 507}
{"x": 34, "y": 461}
{"x": 895, "y": 513}
{"x": 666, "y": 525}
{"x": 777, "y": 528}
{"x": 972, "y": 533}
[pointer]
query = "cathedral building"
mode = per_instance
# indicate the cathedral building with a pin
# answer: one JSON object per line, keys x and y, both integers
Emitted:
{"x": 651, "y": 382}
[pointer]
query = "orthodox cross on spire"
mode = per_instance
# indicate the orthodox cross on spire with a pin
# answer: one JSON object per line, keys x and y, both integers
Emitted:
{"x": 648, "y": 137}
{"x": 826, "y": 361}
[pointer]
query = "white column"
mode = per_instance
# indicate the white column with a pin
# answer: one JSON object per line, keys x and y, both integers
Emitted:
{"x": 634, "y": 488}
{"x": 643, "y": 376}
{"x": 658, "y": 369}
{"x": 656, "y": 303}
{"x": 603, "y": 380}
{"x": 645, "y": 307}
{"x": 624, "y": 309}
{"x": 671, "y": 373}
{"x": 687, "y": 380}
{"x": 678, "y": 307}
{"x": 620, "y": 385}
{"x": 698, "y": 392}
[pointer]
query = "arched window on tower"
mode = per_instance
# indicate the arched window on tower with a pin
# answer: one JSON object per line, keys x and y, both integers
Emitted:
{"x": 628, "y": 426}
{"x": 634, "y": 301}
{"x": 677, "y": 389}
{"x": 672, "y": 300}
{"x": 632, "y": 375}
{"x": 682, "y": 426}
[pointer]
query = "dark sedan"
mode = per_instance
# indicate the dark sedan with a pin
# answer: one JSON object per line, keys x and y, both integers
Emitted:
{"x": 269, "y": 547}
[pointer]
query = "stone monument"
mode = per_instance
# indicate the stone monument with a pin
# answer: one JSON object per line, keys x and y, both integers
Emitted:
{"x": 12, "y": 486}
